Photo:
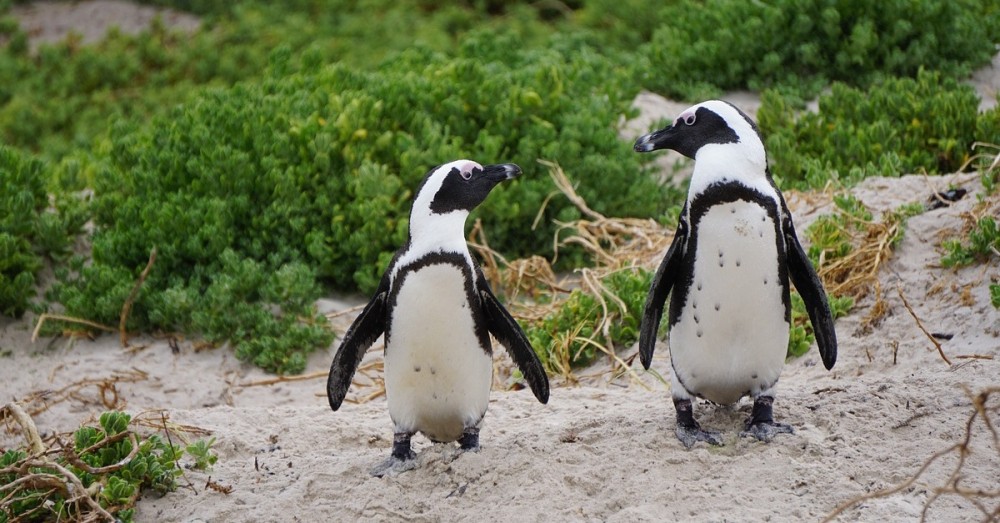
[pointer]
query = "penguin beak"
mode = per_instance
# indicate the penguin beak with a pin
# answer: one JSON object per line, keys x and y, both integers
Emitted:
{"x": 500, "y": 172}
{"x": 662, "y": 139}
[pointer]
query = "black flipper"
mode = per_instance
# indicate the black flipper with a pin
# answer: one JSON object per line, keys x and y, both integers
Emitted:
{"x": 506, "y": 330}
{"x": 362, "y": 333}
{"x": 802, "y": 274}
{"x": 664, "y": 280}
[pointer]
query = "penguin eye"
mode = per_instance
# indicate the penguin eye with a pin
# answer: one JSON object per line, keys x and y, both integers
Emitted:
{"x": 466, "y": 175}
{"x": 689, "y": 119}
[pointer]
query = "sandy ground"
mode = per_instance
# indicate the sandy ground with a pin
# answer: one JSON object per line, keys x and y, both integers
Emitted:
{"x": 601, "y": 452}
{"x": 47, "y": 22}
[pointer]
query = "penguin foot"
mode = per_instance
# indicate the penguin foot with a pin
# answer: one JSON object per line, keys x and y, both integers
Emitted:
{"x": 688, "y": 430}
{"x": 691, "y": 435}
{"x": 401, "y": 459}
{"x": 761, "y": 424}
{"x": 394, "y": 465}
{"x": 766, "y": 430}
{"x": 469, "y": 440}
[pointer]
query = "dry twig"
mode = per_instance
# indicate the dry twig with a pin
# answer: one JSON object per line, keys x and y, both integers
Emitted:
{"x": 127, "y": 307}
{"x": 920, "y": 324}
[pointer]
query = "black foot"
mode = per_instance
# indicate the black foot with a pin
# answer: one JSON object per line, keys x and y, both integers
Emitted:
{"x": 688, "y": 430}
{"x": 401, "y": 459}
{"x": 761, "y": 424}
{"x": 470, "y": 439}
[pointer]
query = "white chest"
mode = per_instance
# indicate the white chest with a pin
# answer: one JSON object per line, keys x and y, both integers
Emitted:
{"x": 437, "y": 376}
{"x": 731, "y": 336}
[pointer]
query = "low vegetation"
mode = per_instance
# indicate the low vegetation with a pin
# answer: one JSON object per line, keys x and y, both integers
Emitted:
{"x": 270, "y": 156}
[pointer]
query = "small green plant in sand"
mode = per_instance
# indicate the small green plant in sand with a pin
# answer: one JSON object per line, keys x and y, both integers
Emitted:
{"x": 98, "y": 476}
{"x": 982, "y": 243}
{"x": 201, "y": 451}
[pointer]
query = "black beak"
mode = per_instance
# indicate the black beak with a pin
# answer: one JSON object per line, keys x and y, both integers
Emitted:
{"x": 662, "y": 139}
{"x": 501, "y": 171}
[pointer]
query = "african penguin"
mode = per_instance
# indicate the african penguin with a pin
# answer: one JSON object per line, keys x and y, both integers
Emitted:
{"x": 727, "y": 272}
{"x": 437, "y": 312}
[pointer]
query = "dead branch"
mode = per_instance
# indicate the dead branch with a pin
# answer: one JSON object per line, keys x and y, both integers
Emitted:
{"x": 920, "y": 324}
{"x": 28, "y": 428}
{"x": 69, "y": 319}
{"x": 127, "y": 307}
{"x": 285, "y": 379}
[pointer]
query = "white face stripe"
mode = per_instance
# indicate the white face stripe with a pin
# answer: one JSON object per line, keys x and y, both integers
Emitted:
{"x": 433, "y": 232}
{"x": 745, "y": 162}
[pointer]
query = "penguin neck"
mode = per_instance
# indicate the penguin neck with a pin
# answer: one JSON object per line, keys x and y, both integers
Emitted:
{"x": 725, "y": 163}
{"x": 438, "y": 232}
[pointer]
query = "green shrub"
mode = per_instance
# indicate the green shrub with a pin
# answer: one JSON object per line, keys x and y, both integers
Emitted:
{"x": 901, "y": 125}
{"x": 31, "y": 228}
{"x": 801, "y": 45}
{"x": 310, "y": 173}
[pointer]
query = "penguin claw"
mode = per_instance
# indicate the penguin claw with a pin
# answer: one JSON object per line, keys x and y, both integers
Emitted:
{"x": 691, "y": 435}
{"x": 394, "y": 465}
{"x": 766, "y": 430}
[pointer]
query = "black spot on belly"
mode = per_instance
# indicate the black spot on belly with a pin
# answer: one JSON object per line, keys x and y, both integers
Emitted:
{"x": 433, "y": 371}
{"x": 717, "y": 306}
{"x": 699, "y": 333}
{"x": 416, "y": 368}
{"x": 696, "y": 318}
{"x": 721, "y": 264}
{"x": 754, "y": 376}
{"x": 765, "y": 280}
{"x": 699, "y": 286}
{"x": 732, "y": 210}
{"x": 720, "y": 253}
{"x": 738, "y": 263}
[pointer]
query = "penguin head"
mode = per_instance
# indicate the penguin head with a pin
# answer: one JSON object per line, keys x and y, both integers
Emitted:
{"x": 449, "y": 192}
{"x": 715, "y": 126}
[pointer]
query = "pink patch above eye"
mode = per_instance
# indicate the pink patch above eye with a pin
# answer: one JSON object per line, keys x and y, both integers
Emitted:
{"x": 466, "y": 167}
{"x": 687, "y": 117}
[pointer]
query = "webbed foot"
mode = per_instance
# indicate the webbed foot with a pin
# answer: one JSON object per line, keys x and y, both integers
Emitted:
{"x": 766, "y": 430}
{"x": 761, "y": 424}
{"x": 393, "y": 465}
{"x": 401, "y": 459}
{"x": 691, "y": 435}
{"x": 469, "y": 440}
{"x": 688, "y": 430}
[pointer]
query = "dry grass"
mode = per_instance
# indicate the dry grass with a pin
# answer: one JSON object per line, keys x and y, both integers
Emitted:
{"x": 534, "y": 290}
